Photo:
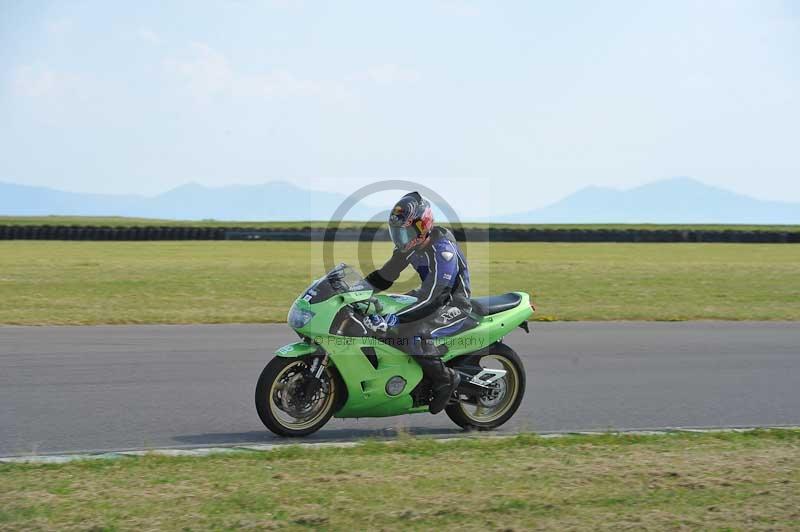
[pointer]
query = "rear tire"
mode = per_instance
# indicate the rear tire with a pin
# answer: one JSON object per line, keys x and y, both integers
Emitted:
{"x": 514, "y": 385}
{"x": 270, "y": 386}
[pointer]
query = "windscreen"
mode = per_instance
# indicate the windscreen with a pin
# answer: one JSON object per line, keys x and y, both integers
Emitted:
{"x": 339, "y": 280}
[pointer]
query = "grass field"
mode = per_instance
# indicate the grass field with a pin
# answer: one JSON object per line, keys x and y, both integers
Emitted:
{"x": 45, "y": 282}
{"x": 121, "y": 221}
{"x": 748, "y": 481}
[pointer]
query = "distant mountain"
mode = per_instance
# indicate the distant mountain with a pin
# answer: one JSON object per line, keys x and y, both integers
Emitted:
{"x": 677, "y": 200}
{"x": 275, "y": 201}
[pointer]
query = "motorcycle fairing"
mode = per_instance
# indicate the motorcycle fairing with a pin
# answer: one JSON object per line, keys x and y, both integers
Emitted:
{"x": 296, "y": 349}
{"x": 365, "y": 382}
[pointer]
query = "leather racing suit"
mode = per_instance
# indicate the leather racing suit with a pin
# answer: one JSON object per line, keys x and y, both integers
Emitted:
{"x": 443, "y": 301}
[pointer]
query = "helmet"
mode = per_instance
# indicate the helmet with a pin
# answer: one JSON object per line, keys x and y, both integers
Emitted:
{"x": 410, "y": 221}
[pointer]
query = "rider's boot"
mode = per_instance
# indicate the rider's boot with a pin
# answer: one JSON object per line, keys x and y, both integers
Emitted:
{"x": 443, "y": 390}
{"x": 444, "y": 381}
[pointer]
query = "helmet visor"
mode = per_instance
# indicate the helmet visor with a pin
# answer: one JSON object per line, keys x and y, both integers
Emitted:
{"x": 401, "y": 236}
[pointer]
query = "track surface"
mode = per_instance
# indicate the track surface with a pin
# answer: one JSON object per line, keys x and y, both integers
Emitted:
{"x": 118, "y": 387}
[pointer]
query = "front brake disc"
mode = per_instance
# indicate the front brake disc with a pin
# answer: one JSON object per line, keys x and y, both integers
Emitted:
{"x": 286, "y": 389}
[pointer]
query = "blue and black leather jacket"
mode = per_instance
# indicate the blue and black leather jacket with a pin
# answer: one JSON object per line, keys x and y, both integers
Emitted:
{"x": 442, "y": 269}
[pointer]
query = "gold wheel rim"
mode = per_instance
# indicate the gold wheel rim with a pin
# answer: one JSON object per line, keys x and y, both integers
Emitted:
{"x": 484, "y": 414}
{"x": 317, "y": 412}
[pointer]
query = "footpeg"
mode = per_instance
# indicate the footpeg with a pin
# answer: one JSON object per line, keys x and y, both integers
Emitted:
{"x": 486, "y": 377}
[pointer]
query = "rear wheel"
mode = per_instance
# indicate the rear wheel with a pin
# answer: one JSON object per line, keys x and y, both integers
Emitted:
{"x": 495, "y": 406}
{"x": 290, "y": 401}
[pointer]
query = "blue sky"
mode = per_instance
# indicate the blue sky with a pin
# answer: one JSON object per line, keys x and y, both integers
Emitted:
{"x": 499, "y": 106}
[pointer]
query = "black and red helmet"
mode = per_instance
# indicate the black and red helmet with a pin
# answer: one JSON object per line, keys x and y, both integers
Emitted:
{"x": 410, "y": 221}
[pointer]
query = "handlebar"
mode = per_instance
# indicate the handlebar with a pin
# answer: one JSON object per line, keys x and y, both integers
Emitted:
{"x": 376, "y": 302}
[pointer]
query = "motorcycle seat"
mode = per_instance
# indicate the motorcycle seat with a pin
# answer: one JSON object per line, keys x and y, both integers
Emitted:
{"x": 486, "y": 306}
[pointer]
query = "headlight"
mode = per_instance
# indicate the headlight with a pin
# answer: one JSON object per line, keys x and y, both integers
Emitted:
{"x": 299, "y": 318}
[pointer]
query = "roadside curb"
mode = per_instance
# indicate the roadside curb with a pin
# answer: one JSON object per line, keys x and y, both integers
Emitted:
{"x": 266, "y": 447}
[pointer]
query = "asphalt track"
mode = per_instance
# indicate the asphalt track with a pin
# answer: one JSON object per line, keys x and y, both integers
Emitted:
{"x": 66, "y": 389}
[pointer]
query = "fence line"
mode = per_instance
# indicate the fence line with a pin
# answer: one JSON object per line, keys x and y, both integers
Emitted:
{"x": 105, "y": 233}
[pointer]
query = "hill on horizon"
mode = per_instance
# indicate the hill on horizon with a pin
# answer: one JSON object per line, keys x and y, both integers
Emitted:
{"x": 274, "y": 201}
{"x": 676, "y": 200}
{"x": 670, "y": 201}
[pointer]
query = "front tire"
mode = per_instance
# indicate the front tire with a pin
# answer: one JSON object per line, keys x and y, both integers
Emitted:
{"x": 281, "y": 404}
{"x": 492, "y": 410}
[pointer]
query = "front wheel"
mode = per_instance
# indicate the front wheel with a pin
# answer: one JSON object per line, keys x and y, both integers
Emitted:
{"x": 496, "y": 406}
{"x": 292, "y": 402}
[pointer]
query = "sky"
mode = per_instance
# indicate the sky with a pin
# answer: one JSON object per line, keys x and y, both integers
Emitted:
{"x": 498, "y": 106}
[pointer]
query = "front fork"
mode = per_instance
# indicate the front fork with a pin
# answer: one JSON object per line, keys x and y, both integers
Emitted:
{"x": 318, "y": 365}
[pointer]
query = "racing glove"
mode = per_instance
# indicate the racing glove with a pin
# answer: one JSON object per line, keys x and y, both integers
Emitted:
{"x": 380, "y": 324}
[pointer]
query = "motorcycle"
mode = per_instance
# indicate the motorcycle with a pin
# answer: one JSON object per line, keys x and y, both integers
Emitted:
{"x": 339, "y": 369}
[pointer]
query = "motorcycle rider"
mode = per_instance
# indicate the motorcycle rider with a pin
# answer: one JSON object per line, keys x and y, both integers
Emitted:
{"x": 443, "y": 300}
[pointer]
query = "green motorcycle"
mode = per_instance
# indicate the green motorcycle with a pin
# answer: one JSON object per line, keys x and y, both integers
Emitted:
{"x": 339, "y": 369}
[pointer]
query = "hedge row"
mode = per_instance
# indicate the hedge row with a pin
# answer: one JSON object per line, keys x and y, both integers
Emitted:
{"x": 68, "y": 232}
{"x": 49, "y": 232}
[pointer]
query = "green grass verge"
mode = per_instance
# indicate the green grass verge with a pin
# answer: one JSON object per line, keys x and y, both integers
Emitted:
{"x": 745, "y": 481}
{"x": 45, "y": 282}
{"x": 121, "y": 221}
